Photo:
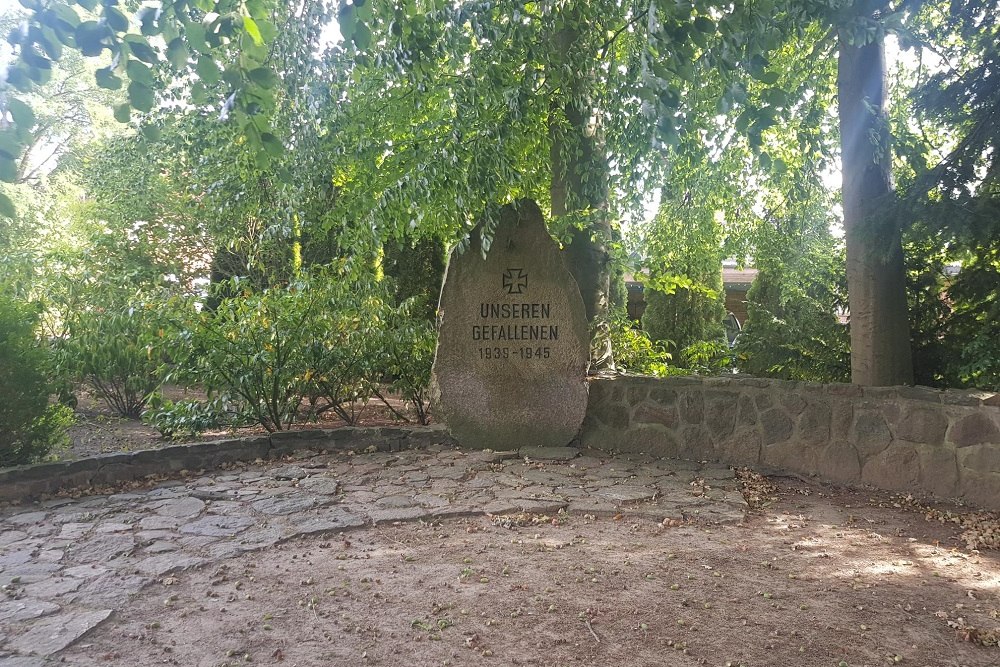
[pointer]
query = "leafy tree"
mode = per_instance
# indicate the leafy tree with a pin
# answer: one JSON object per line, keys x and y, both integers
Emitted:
{"x": 951, "y": 198}
{"x": 880, "y": 336}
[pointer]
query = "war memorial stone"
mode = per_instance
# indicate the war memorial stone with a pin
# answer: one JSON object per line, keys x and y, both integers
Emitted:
{"x": 513, "y": 343}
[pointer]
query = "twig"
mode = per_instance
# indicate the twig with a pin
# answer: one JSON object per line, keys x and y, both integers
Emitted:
{"x": 590, "y": 627}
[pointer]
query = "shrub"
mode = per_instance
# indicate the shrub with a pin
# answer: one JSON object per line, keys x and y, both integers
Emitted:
{"x": 792, "y": 332}
{"x": 407, "y": 356}
{"x": 251, "y": 349}
{"x": 685, "y": 312}
{"x": 183, "y": 419}
{"x": 326, "y": 342}
{"x": 118, "y": 345}
{"x": 635, "y": 352}
{"x": 343, "y": 352}
{"x": 31, "y": 427}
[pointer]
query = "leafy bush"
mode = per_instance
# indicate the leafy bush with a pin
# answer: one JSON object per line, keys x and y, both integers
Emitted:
{"x": 792, "y": 332}
{"x": 344, "y": 354}
{"x": 31, "y": 427}
{"x": 251, "y": 349}
{"x": 685, "y": 312}
{"x": 407, "y": 356}
{"x": 326, "y": 342}
{"x": 635, "y": 352}
{"x": 182, "y": 419}
{"x": 707, "y": 357}
{"x": 115, "y": 348}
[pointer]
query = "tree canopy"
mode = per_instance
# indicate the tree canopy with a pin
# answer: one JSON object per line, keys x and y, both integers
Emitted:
{"x": 252, "y": 145}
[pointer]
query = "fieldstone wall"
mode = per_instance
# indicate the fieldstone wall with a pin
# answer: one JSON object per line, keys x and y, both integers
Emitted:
{"x": 913, "y": 439}
{"x": 27, "y": 482}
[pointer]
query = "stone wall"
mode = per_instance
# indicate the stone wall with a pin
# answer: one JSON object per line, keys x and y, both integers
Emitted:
{"x": 28, "y": 482}
{"x": 913, "y": 439}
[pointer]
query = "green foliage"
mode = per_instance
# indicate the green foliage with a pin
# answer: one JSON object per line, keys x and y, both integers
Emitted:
{"x": 635, "y": 352}
{"x": 408, "y": 345}
{"x": 685, "y": 317}
{"x": 417, "y": 270}
{"x": 116, "y": 349}
{"x": 183, "y": 419}
{"x": 31, "y": 427}
{"x": 708, "y": 357}
{"x": 252, "y": 349}
{"x": 945, "y": 124}
{"x": 322, "y": 343}
{"x": 792, "y": 330}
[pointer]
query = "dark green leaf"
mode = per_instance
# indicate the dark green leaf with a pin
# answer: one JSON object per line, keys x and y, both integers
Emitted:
{"x": 141, "y": 49}
{"x": 17, "y": 77}
{"x": 87, "y": 4}
{"x": 272, "y": 144}
{"x": 22, "y": 114}
{"x": 65, "y": 13}
{"x": 50, "y": 44}
{"x": 362, "y": 36}
{"x": 90, "y": 38}
{"x": 7, "y": 208}
{"x": 195, "y": 33}
{"x": 139, "y": 72}
{"x": 233, "y": 77}
{"x": 8, "y": 169}
{"x": 40, "y": 75}
{"x": 122, "y": 113}
{"x": 140, "y": 96}
{"x": 263, "y": 77}
{"x": 148, "y": 20}
{"x": 207, "y": 70}
{"x": 151, "y": 132}
{"x": 177, "y": 53}
{"x": 10, "y": 145}
{"x": 347, "y": 19}
{"x": 107, "y": 79}
{"x": 199, "y": 94}
{"x": 115, "y": 19}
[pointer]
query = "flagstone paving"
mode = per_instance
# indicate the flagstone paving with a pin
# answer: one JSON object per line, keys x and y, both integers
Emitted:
{"x": 67, "y": 564}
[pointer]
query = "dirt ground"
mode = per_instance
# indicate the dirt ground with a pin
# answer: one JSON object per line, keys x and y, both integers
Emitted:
{"x": 99, "y": 431}
{"x": 817, "y": 576}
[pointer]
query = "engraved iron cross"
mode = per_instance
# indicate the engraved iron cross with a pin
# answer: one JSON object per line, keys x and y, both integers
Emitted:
{"x": 515, "y": 281}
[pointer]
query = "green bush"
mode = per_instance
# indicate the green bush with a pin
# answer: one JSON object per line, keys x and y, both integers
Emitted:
{"x": 344, "y": 353}
{"x": 116, "y": 349}
{"x": 183, "y": 419}
{"x": 635, "y": 352}
{"x": 31, "y": 426}
{"x": 407, "y": 356}
{"x": 251, "y": 349}
{"x": 326, "y": 342}
{"x": 685, "y": 312}
{"x": 792, "y": 332}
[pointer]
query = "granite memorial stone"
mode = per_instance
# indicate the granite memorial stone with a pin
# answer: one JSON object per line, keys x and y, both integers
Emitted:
{"x": 513, "y": 344}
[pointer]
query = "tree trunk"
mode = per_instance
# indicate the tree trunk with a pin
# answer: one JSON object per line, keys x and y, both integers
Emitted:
{"x": 580, "y": 177}
{"x": 876, "y": 280}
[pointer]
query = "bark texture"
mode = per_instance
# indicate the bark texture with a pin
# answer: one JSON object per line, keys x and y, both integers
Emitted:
{"x": 580, "y": 183}
{"x": 876, "y": 280}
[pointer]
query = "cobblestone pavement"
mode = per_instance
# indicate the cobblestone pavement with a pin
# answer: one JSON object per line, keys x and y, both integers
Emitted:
{"x": 67, "y": 564}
